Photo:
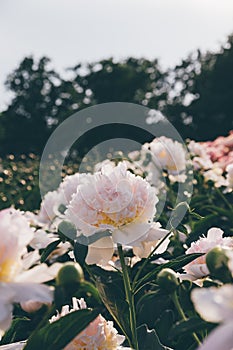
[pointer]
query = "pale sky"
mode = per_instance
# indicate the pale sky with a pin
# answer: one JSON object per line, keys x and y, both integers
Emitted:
{"x": 73, "y": 31}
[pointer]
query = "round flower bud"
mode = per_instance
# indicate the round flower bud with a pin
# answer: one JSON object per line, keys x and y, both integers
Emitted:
{"x": 70, "y": 273}
{"x": 167, "y": 280}
{"x": 217, "y": 263}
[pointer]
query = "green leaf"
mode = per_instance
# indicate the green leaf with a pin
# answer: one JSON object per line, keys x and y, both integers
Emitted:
{"x": 175, "y": 264}
{"x": 150, "y": 307}
{"x": 67, "y": 230}
{"x": 17, "y": 331}
{"x": 148, "y": 339}
{"x": 189, "y": 326}
{"x": 57, "y": 335}
{"x": 201, "y": 227}
{"x": 48, "y": 250}
{"x": 80, "y": 253}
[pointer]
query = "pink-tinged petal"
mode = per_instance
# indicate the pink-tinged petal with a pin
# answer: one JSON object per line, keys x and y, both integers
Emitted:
{"x": 214, "y": 233}
{"x": 156, "y": 232}
{"x": 214, "y": 304}
{"x": 31, "y": 291}
{"x": 100, "y": 252}
{"x": 39, "y": 274}
{"x": 130, "y": 233}
{"x": 221, "y": 338}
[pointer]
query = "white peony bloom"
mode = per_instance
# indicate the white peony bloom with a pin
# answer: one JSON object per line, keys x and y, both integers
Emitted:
{"x": 198, "y": 267}
{"x": 216, "y": 305}
{"x": 49, "y": 207}
{"x": 99, "y": 334}
{"x": 69, "y": 186}
{"x": 15, "y": 282}
{"x": 168, "y": 154}
{"x": 118, "y": 201}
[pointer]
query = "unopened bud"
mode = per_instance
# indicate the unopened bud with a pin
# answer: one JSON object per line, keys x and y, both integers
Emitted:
{"x": 217, "y": 263}
{"x": 167, "y": 280}
{"x": 69, "y": 274}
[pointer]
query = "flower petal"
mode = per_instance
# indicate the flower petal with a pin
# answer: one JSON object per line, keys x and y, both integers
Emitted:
{"x": 100, "y": 252}
{"x": 219, "y": 338}
{"x": 39, "y": 274}
{"x": 214, "y": 304}
{"x": 131, "y": 233}
{"x": 31, "y": 291}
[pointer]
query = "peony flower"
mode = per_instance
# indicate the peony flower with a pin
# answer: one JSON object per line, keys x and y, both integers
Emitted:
{"x": 198, "y": 267}
{"x": 69, "y": 186}
{"x": 168, "y": 154}
{"x": 116, "y": 201}
{"x": 215, "y": 304}
{"x": 15, "y": 282}
{"x": 49, "y": 207}
{"x": 99, "y": 334}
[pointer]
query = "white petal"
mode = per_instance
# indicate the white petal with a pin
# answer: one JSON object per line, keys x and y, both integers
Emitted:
{"x": 220, "y": 338}
{"x": 14, "y": 346}
{"x": 30, "y": 259}
{"x": 156, "y": 232}
{"x": 5, "y": 317}
{"x": 31, "y": 291}
{"x": 39, "y": 274}
{"x": 214, "y": 304}
{"x": 131, "y": 233}
{"x": 214, "y": 233}
{"x": 100, "y": 252}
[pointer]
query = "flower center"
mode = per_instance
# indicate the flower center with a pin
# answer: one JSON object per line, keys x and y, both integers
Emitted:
{"x": 8, "y": 269}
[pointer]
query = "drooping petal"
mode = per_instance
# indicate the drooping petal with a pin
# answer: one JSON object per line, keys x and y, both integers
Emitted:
{"x": 127, "y": 234}
{"x": 100, "y": 252}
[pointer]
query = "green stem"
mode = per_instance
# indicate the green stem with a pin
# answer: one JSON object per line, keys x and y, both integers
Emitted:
{"x": 129, "y": 299}
{"x": 182, "y": 314}
{"x": 148, "y": 259}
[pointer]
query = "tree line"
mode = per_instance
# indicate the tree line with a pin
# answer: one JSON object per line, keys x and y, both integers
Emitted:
{"x": 196, "y": 95}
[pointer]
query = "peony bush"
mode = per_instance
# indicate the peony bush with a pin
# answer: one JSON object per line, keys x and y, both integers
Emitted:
{"x": 137, "y": 254}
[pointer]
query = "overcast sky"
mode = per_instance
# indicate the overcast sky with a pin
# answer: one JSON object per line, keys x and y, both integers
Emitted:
{"x": 72, "y": 31}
